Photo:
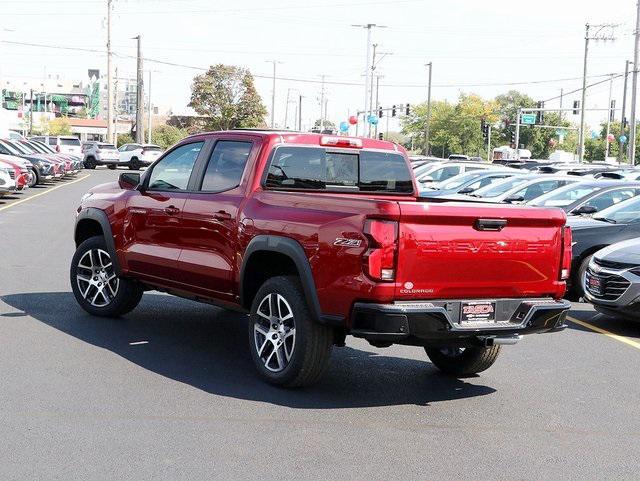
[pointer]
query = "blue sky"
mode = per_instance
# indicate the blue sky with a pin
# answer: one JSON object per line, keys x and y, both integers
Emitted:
{"x": 475, "y": 46}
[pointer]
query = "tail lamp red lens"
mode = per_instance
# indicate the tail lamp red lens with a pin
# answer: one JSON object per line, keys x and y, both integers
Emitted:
{"x": 57, "y": 148}
{"x": 567, "y": 243}
{"x": 380, "y": 258}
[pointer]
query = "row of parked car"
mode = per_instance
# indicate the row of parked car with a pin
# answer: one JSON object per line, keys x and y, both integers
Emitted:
{"x": 602, "y": 203}
{"x": 27, "y": 163}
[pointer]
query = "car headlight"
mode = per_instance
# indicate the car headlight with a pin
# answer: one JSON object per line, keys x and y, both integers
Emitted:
{"x": 85, "y": 196}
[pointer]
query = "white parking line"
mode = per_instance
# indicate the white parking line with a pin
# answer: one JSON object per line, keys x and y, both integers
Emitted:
{"x": 13, "y": 204}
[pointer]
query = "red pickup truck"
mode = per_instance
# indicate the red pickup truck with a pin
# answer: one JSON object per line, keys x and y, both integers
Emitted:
{"x": 318, "y": 237}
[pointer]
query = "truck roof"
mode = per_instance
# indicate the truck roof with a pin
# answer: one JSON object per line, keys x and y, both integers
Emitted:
{"x": 309, "y": 138}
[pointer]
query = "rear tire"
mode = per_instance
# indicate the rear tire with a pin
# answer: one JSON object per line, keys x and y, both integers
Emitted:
{"x": 111, "y": 167}
{"x": 134, "y": 164}
{"x": 576, "y": 286}
{"x": 287, "y": 346}
{"x": 90, "y": 163}
{"x": 95, "y": 285}
{"x": 461, "y": 362}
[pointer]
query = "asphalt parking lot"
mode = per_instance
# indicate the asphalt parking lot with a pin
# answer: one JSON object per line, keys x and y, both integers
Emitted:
{"x": 169, "y": 392}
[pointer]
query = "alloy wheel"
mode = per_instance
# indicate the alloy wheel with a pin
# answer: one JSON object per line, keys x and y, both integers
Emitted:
{"x": 96, "y": 279}
{"x": 274, "y": 332}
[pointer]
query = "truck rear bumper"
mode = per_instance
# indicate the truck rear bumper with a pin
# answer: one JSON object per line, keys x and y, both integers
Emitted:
{"x": 437, "y": 322}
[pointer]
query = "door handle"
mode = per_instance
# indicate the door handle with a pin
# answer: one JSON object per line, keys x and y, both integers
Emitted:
{"x": 222, "y": 215}
{"x": 171, "y": 210}
{"x": 490, "y": 224}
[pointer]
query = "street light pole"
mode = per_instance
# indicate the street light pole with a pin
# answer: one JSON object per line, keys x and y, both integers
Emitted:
{"x": 428, "y": 126}
{"x": 273, "y": 94}
{"x": 368, "y": 27}
{"x": 109, "y": 79}
{"x": 300, "y": 113}
{"x": 139, "y": 95}
{"x": 609, "y": 115}
{"x": 624, "y": 111}
{"x": 149, "y": 115}
{"x": 584, "y": 96}
{"x": 634, "y": 88}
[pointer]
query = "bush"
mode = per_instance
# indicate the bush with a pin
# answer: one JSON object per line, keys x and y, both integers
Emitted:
{"x": 124, "y": 139}
{"x": 167, "y": 135}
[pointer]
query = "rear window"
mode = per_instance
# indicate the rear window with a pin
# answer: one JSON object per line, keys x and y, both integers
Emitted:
{"x": 106, "y": 146}
{"x": 152, "y": 148}
{"x": 318, "y": 169}
{"x": 69, "y": 141}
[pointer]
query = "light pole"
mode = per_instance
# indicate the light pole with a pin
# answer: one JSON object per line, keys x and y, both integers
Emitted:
{"x": 634, "y": 88}
{"x": 109, "y": 78}
{"x": 427, "y": 126}
{"x": 610, "y": 113}
{"x": 623, "y": 115}
{"x": 273, "y": 94}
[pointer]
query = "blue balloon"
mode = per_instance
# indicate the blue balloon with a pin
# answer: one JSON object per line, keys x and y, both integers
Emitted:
{"x": 372, "y": 119}
{"x": 623, "y": 139}
{"x": 344, "y": 126}
{"x": 594, "y": 135}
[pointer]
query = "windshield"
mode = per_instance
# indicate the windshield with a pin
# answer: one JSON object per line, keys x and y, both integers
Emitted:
{"x": 10, "y": 147}
{"x": 498, "y": 188}
{"x": 45, "y": 147}
{"x": 565, "y": 196}
{"x": 459, "y": 180}
{"x": 18, "y": 147}
{"x": 23, "y": 146}
{"x": 627, "y": 211}
{"x": 35, "y": 147}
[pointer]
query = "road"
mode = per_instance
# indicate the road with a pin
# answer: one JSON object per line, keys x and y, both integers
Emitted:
{"x": 169, "y": 392}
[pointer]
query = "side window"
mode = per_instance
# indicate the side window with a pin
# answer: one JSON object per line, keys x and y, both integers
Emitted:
{"x": 52, "y": 141}
{"x": 445, "y": 173}
{"x": 132, "y": 148}
{"x": 609, "y": 198}
{"x": 226, "y": 165}
{"x": 173, "y": 171}
{"x": 536, "y": 190}
{"x": 471, "y": 168}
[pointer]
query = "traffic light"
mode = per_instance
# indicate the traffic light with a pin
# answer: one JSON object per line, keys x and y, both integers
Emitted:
{"x": 576, "y": 107}
{"x": 380, "y": 113}
{"x": 393, "y": 111}
{"x": 407, "y": 110}
{"x": 541, "y": 112}
{"x": 485, "y": 129}
{"x": 380, "y": 136}
{"x": 612, "y": 111}
{"x": 513, "y": 137}
{"x": 624, "y": 122}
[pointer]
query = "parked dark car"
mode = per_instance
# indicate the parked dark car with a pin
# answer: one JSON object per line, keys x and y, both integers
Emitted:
{"x": 588, "y": 197}
{"x": 612, "y": 280}
{"x": 590, "y": 234}
{"x": 467, "y": 183}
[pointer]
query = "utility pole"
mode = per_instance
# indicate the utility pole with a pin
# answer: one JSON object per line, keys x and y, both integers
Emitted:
{"x": 149, "y": 115}
{"x": 115, "y": 110}
{"x": 286, "y": 109}
{"x": 273, "y": 93}
{"x": 377, "y": 101}
{"x": 31, "y": 114}
{"x": 489, "y": 144}
{"x": 624, "y": 111}
{"x": 322, "y": 113}
{"x": 109, "y": 79}
{"x": 368, "y": 27}
{"x": 139, "y": 95}
{"x": 610, "y": 113}
{"x": 600, "y": 32}
{"x": 300, "y": 112}
{"x": 634, "y": 88}
{"x": 427, "y": 126}
{"x": 373, "y": 69}
{"x": 560, "y": 111}
{"x": 518, "y": 115}
{"x": 326, "y": 103}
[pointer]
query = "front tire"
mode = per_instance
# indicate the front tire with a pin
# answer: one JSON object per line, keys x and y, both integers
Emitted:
{"x": 577, "y": 287}
{"x": 35, "y": 178}
{"x": 287, "y": 346}
{"x": 461, "y": 362}
{"x": 95, "y": 285}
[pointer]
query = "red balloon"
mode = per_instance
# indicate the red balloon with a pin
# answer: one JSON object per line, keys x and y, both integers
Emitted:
{"x": 353, "y": 120}
{"x": 611, "y": 137}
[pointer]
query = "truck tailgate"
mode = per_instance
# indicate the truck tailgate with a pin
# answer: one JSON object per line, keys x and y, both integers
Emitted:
{"x": 458, "y": 250}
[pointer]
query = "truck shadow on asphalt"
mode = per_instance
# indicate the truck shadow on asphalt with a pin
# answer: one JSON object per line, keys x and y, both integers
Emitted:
{"x": 206, "y": 348}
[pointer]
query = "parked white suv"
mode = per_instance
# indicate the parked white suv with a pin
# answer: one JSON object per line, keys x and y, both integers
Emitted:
{"x": 64, "y": 144}
{"x": 99, "y": 153}
{"x": 7, "y": 183}
{"x": 138, "y": 155}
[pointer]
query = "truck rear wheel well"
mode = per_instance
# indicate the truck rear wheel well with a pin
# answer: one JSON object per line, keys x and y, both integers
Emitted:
{"x": 261, "y": 266}
{"x": 87, "y": 228}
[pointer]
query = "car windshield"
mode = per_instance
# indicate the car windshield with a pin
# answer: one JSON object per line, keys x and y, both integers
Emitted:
{"x": 627, "y": 211}
{"x": 498, "y": 188}
{"x": 565, "y": 196}
{"x": 23, "y": 145}
{"x": 10, "y": 147}
{"x": 35, "y": 147}
{"x": 19, "y": 148}
{"x": 459, "y": 180}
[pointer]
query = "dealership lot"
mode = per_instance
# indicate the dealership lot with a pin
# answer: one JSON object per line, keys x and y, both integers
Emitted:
{"x": 170, "y": 392}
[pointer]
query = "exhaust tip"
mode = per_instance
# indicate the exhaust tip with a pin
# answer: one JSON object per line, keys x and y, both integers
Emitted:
{"x": 501, "y": 341}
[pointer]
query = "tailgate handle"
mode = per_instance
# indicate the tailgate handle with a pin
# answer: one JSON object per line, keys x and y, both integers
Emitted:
{"x": 490, "y": 224}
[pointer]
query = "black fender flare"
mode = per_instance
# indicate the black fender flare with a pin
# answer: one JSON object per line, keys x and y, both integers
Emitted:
{"x": 292, "y": 249}
{"x": 99, "y": 216}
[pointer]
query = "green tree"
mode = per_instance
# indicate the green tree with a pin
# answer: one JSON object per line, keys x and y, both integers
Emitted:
{"x": 508, "y": 105}
{"x": 59, "y": 126}
{"x": 167, "y": 135}
{"x": 327, "y": 124}
{"x": 227, "y": 98}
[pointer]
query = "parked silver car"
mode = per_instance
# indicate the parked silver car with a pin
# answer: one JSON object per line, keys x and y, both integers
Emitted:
{"x": 612, "y": 280}
{"x": 100, "y": 153}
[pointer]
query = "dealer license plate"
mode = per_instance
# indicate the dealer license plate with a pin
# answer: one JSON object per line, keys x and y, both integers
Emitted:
{"x": 477, "y": 311}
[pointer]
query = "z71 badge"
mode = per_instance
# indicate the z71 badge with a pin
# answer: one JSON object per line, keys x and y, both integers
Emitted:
{"x": 342, "y": 242}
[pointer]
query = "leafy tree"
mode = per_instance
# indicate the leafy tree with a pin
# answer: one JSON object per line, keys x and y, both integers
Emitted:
{"x": 125, "y": 139}
{"x": 327, "y": 124}
{"x": 227, "y": 98}
{"x": 59, "y": 126}
{"x": 166, "y": 135}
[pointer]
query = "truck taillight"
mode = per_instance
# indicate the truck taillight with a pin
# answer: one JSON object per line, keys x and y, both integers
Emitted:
{"x": 341, "y": 142}
{"x": 380, "y": 258}
{"x": 565, "y": 266}
{"x": 57, "y": 148}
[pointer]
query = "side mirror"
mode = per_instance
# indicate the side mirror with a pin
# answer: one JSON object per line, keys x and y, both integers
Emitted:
{"x": 466, "y": 190}
{"x": 129, "y": 180}
{"x": 426, "y": 179}
{"x": 585, "y": 210}
{"x": 514, "y": 198}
